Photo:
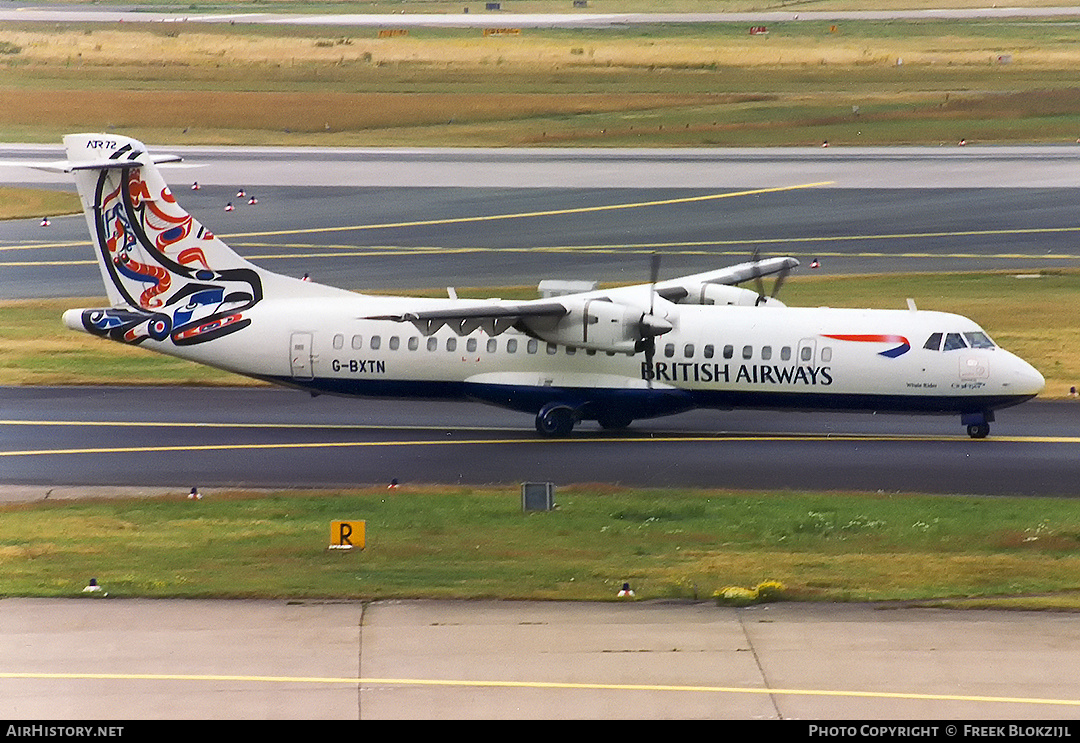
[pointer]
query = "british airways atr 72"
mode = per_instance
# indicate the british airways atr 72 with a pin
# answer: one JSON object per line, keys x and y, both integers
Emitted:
{"x": 609, "y": 355}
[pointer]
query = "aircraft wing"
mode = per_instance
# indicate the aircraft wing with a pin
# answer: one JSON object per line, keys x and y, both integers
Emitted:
{"x": 674, "y": 290}
{"x": 618, "y": 320}
{"x": 493, "y": 316}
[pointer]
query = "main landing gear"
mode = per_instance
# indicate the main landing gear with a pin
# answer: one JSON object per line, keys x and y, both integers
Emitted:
{"x": 978, "y": 424}
{"x": 557, "y": 419}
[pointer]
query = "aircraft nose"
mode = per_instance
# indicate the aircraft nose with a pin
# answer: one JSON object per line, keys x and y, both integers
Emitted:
{"x": 1026, "y": 378}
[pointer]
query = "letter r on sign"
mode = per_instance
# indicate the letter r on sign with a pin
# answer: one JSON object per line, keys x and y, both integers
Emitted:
{"x": 347, "y": 534}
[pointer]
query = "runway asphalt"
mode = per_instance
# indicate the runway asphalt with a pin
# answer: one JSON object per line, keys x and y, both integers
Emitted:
{"x": 175, "y": 438}
{"x": 586, "y": 18}
{"x": 490, "y": 218}
{"x": 354, "y": 224}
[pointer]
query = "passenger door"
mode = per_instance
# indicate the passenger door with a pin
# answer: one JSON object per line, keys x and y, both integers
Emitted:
{"x": 301, "y": 356}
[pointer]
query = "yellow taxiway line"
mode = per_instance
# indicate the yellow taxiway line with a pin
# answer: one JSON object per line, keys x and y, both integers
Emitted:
{"x": 714, "y": 439}
{"x": 697, "y": 689}
{"x": 545, "y": 213}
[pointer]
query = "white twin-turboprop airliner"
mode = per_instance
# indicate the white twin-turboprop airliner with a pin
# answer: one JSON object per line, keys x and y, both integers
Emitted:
{"x": 609, "y": 355}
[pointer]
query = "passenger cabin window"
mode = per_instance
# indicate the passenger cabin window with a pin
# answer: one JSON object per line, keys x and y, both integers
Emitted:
{"x": 669, "y": 350}
{"x": 492, "y": 345}
{"x": 826, "y": 354}
{"x": 511, "y": 345}
{"x": 432, "y": 343}
{"x": 747, "y": 352}
{"x": 708, "y": 351}
{"x": 470, "y": 345}
{"x": 451, "y": 344}
{"x": 806, "y": 353}
{"x": 414, "y": 343}
{"x": 729, "y": 351}
{"x": 785, "y": 353}
{"x": 357, "y": 342}
{"x": 376, "y": 341}
{"x": 688, "y": 350}
{"x": 532, "y": 345}
{"x": 339, "y": 341}
{"x": 766, "y": 353}
{"x": 552, "y": 349}
{"x": 395, "y": 343}
{"x": 933, "y": 343}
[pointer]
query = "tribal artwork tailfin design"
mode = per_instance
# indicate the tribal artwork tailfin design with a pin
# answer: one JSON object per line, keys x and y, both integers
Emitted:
{"x": 168, "y": 277}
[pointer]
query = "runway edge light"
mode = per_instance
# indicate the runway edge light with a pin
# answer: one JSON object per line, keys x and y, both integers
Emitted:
{"x": 345, "y": 535}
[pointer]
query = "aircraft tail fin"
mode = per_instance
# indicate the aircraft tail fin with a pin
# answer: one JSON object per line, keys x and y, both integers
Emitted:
{"x": 166, "y": 276}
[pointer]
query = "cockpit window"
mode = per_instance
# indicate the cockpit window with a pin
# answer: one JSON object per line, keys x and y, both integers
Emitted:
{"x": 978, "y": 340}
{"x": 953, "y": 341}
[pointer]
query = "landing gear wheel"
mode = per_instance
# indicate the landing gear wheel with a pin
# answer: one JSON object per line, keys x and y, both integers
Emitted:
{"x": 978, "y": 430}
{"x": 614, "y": 421}
{"x": 555, "y": 422}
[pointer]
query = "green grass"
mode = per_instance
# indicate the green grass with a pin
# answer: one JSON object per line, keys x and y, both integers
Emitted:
{"x": 36, "y": 348}
{"x": 21, "y": 203}
{"x": 469, "y": 543}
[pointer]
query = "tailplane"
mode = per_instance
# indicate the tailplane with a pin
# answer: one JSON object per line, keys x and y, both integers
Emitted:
{"x": 166, "y": 276}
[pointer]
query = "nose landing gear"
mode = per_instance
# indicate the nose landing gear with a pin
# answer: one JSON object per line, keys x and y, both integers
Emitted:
{"x": 978, "y": 424}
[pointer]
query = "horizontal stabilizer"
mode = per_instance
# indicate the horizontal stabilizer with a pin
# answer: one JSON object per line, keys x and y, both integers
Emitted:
{"x": 68, "y": 166}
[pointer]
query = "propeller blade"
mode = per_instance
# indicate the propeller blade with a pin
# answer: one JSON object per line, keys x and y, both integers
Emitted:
{"x": 756, "y": 261}
{"x": 650, "y": 352}
{"x": 649, "y": 325}
{"x": 780, "y": 281}
{"x": 654, "y": 274}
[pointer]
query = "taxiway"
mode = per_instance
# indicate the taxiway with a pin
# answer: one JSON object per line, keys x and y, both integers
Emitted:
{"x": 174, "y": 438}
{"x": 131, "y": 659}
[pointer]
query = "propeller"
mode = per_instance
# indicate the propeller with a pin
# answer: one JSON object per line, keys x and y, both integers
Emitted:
{"x": 755, "y": 260}
{"x": 650, "y": 325}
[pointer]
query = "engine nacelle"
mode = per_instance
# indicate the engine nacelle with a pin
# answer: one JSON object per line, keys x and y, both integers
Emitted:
{"x": 723, "y": 294}
{"x": 598, "y": 325}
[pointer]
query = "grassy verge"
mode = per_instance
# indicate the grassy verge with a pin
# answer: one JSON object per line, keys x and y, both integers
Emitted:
{"x": 36, "y": 348}
{"x": 21, "y": 203}
{"x": 675, "y": 85}
{"x": 469, "y": 543}
{"x": 1039, "y": 319}
{"x": 455, "y": 7}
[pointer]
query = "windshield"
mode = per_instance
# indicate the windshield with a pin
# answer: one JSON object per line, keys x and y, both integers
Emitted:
{"x": 978, "y": 340}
